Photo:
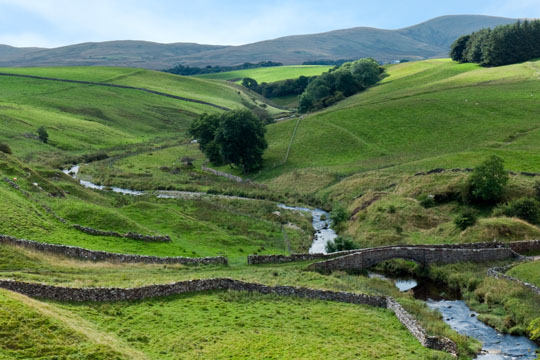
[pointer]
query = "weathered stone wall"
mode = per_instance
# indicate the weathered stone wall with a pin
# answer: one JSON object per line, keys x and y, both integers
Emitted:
{"x": 30, "y": 197}
{"x": 88, "y": 230}
{"x": 276, "y": 259}
{"x": 468, "y": 170}
{"x": 223, "y": 174}
{"x": 94, "y": 255}
{"x": 432, "y": 342}
{"x": 499, "y": 273}
{"x": 423, "y": 255}
{"x": 526, "y": 246}
{"x": 129, "y": 294}
{"x": 130, "y": 235}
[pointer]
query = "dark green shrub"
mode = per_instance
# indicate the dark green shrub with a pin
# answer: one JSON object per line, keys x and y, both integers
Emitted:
{"x": 340, "y": 244}
{"x": 338, "y": 215}
{"x": 427, "y": 201}
{"x": 537, "y": 189}
{"x": 465, "y": 220}
{"x": 525, "y": 208}
{"x": 43, "y": 134}
{"x": 5, "y": 149}
{"x": 487, "y": 182}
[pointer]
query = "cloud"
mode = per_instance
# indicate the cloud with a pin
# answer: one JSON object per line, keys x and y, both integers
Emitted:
{"x": 514, "y": 8}
{"x": 204, "y": 21}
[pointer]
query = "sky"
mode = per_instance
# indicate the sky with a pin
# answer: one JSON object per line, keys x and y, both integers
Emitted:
{"x": 53, "y": 23}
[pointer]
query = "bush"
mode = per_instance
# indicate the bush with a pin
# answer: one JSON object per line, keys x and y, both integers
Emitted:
{"x": 537, "y": 189}
{"x": 465, "y": 220}
{"x": 487, "y": 182}
{"x": 340, "y": 244}
{"x": 338, "y": 215}
{"x": 427, "y": 201}
{"x": 525, "y": 208}
{"x": 534, "y": 329}
{"x": 43, "y": 134}
{"x": 5, "y": 149}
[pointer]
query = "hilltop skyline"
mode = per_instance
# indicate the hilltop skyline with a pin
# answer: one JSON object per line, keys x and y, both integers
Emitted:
{"x": 54, "y": 23}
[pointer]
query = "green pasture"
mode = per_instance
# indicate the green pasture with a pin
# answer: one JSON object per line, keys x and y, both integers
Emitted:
{"x": 269, "y": 74}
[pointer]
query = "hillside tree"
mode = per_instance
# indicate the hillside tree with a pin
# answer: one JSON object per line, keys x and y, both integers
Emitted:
{"x": 488, "y": 180}
{"x": 236, "y": 137}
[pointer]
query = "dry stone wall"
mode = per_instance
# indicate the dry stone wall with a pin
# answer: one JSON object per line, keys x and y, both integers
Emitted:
{"x": 499, "y": 273}
{"x": 129, "y": 294}
{"x": 526, "y": 246}
{"x": 130, "y": 235}
{"x": 238, "y": 179}
{"x": 88, "y": 230}
{"x": 468, "y": 170}
{"x": 276, "y": 259}
{"x": 94, "y": 255}
{"x": 432, "y": 342}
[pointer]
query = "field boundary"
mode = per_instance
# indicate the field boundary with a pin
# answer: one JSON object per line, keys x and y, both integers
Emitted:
{"x": 515, "y": 246}
{"x": 292, "y": 140}
{"x": 58, "y": 293}
{"x": 120, "y": 87}
{"x": 85, "y": 229}
{"x": 96, "y": 255}
{"x": 499, "y": 273}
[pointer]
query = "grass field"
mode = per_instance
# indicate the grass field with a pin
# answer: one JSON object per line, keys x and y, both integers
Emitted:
{"x": 171, "y": 328}
{"x": 528, "y": 272}
{"x": 361, "y": 153}
{"x": 84, "y": 118}
{"x": 331, "y": 328}
{"x": 269, "y": 74}
{"x": 426, "y": 114}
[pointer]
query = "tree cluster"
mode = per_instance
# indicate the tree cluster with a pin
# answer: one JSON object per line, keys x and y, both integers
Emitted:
{"x": 339, "y": 83}
{"x": 187, "y": 70}
{"x": 279, "y": 88}
{"x": 235, "y": 137}
{"x": 503, "y": 45}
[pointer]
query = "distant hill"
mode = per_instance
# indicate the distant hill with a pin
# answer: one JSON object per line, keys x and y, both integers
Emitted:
{"x": 429, "y": 39}
{"x": 125, "y": 53}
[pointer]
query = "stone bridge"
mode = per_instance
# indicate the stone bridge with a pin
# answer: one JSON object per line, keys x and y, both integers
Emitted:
{"x": 422, "y": 255}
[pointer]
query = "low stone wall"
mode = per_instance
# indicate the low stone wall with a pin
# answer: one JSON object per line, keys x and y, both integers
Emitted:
{"x": 30, "y": 197}
{"x": 238, "y": 179}
{"x": 526, "y": 246}
{"x": 468, "y": 170}
{"x": 58, "y": 293}
{"x": 432, "y": 342}
{"x": 130, "y": 235}
{"x": 278, "y": 259}
{"x": 499, "y": 273}
{"x": 94, "y": 255}
{"x": 423, "y": 255}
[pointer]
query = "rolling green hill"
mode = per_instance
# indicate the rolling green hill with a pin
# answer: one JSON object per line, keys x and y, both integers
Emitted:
{"x": 426, "y": 40}
{"x": 84, "y": 118}
{"x": 269, "y": 74}
{"x": 427, "y": 114}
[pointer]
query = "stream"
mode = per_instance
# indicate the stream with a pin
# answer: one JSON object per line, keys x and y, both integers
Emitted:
{"x": 456, "y": 313}
{"x": 321, "y": 219}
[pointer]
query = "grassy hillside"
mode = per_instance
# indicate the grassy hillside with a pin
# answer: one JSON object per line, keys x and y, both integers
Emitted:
{"x": 528, "y": 272}
{"x": 269, "y": 74}
{"x": 138, "y": 327}
{"x": 427, "y": 114}
{"x": 85, "y": 118}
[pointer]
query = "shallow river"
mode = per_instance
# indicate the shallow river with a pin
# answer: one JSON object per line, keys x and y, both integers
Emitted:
{"x": 321, "y": 219}
{"x": 455, "y": 312}
{"x": 461, "y": 318}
